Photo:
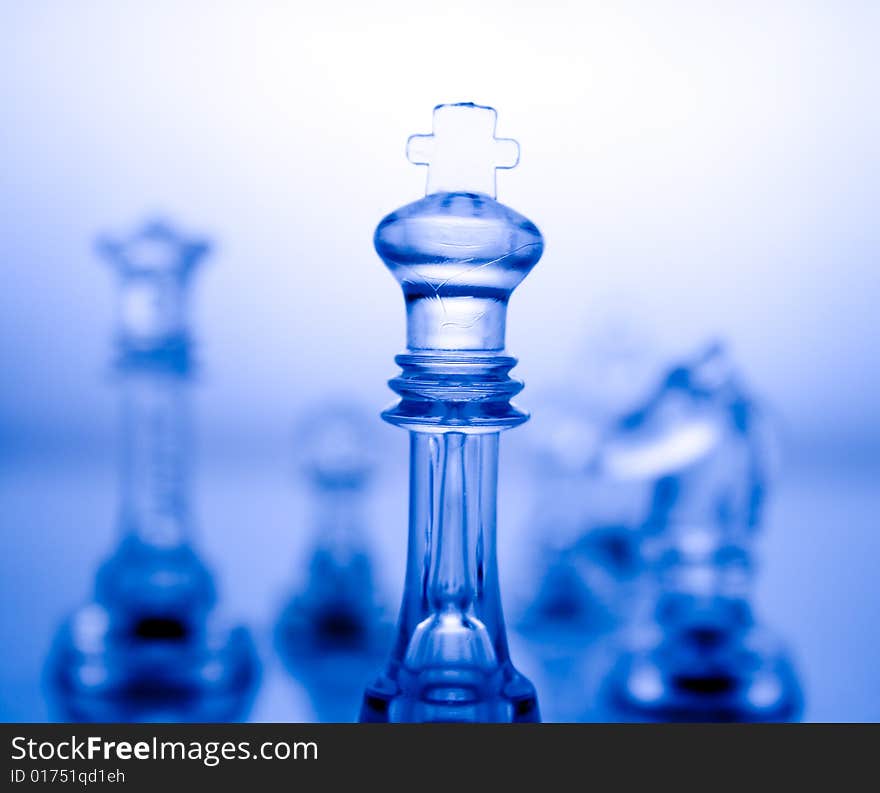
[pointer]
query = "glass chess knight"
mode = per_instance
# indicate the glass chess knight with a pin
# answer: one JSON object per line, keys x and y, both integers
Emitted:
{"x": 150, "y": 646}
{"x": 458, "y": 254}
{"x": 698, "y": 654}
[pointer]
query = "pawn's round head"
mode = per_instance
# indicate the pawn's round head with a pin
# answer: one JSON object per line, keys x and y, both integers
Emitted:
{"x": 458, "y": 253}
{"x": 334, "y": 446}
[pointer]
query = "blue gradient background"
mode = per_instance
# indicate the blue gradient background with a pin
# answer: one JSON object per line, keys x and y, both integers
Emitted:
{"x": 698, "y": 169}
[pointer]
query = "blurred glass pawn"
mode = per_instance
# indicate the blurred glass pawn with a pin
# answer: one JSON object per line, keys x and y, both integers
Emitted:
{"x": 332, "y": 627}
{"x": 586, "y": 519}
{"x": 150, "y": 647}
{"x": 700, "y": 656}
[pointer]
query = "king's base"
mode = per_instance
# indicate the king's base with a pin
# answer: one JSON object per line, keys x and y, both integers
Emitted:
{"x": 450, "y": 694}
{"x": 753, "y": 681}
{"x": 100, "y": 673}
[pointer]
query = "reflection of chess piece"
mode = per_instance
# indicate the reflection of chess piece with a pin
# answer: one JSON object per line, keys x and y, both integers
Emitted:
{"x": 458, "y": 254}
{"x": 586, "y": 521}
{"x": 331, "y": 634}
{"x": 704, "y": 443}
{"x": 149, "y": 647}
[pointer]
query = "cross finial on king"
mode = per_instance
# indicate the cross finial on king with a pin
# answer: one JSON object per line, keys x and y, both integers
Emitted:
{"x": 462, "y": 153}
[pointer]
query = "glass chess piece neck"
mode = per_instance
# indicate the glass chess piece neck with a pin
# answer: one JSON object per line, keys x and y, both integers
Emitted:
{"x": 150, "y": 646}
{"x": 701, "y": 655}
{"x": 458, "y": 254}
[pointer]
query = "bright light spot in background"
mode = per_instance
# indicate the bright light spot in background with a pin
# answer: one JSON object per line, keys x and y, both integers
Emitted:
{"x": 665, "y": 455}
{"x": 707, "y": 166}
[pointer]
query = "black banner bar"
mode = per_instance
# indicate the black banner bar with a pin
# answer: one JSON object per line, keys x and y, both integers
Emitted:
{"x": 264, "y": 757}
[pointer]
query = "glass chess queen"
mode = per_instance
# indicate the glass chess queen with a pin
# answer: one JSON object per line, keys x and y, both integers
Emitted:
{"x": 700, "y": 655}
{"x": 458, "y": 254}
{"x": 150, "y": 646}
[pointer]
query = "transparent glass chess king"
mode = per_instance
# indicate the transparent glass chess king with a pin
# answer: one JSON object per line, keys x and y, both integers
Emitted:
{"x": 458, "y": 254}
{"x": 698, "y": 654}
{"x": 151, "y": 647}
{"x": 333, "y": 631}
